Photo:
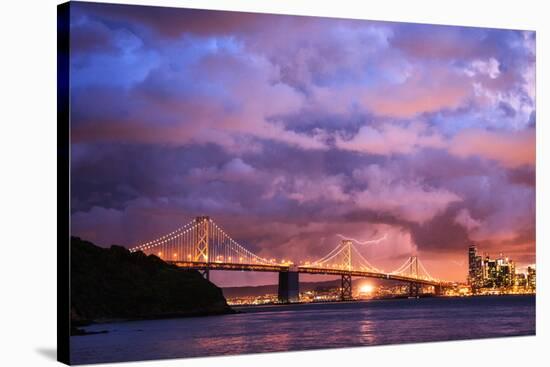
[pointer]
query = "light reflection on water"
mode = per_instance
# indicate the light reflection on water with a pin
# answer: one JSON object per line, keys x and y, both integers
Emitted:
{"x": 312, "y": 326}
{"x": 366, "y": 335}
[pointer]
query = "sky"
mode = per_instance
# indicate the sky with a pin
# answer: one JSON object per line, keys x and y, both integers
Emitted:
{"x": 290, "y": 130}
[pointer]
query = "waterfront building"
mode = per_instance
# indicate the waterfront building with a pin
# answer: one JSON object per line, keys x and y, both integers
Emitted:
{"x": 531, "y": 278}
{"x": 520, "y": 280}
{"x": 475, "y": 271}
{"x": 485, "y": 273}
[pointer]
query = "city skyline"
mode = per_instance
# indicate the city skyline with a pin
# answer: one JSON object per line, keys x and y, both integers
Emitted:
{"x": 421, "y": 135}
{"x": 486, "y": 273}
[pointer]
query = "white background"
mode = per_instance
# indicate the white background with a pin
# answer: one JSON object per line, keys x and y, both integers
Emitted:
{"x": 28, "y": 183}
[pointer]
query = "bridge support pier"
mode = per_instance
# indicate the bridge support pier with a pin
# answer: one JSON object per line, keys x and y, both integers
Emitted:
{"x": 438, "y": 290}
{"x": 414, "y": 289}
{"x": 345, "y": 288}
{"x": 289, "y": 287}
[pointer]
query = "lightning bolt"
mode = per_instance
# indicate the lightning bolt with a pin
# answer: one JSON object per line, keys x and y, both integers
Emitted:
{"x": 362, "y": 242}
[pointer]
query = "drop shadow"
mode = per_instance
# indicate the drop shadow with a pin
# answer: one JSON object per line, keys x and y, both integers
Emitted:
{"x": 50, "y": 353}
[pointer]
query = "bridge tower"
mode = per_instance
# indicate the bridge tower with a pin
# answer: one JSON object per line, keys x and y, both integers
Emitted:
{"x": 201, "y": 242}
{"x": 414, "y": 288}
{"x": 346, "y": 278}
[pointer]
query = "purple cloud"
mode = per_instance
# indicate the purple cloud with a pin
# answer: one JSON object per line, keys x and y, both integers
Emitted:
{"x": 289, "y": 130}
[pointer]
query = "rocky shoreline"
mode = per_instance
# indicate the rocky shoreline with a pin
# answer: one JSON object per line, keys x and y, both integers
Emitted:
{"x": 112, "y": 284}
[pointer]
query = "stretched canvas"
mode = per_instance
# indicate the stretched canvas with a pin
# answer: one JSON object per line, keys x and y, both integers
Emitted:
{"x": 247, "y": 183}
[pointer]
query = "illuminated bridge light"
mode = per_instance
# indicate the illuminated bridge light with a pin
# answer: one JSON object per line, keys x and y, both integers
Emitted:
{"x": 339, "y": 260}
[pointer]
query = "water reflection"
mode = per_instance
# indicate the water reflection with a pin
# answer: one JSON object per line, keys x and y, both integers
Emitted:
{"x": 299, "y": 327}
{"x": 366, "y": 335}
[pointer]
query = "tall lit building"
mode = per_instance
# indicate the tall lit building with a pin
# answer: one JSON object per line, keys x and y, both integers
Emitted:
{"x": 506, "y": 272}
{"x": 520, "y": 280}
{"x": 475, "y": 269}
{"x": 531, "y": 278}
{"x": 490, "y": 272}
{"x": 472, "y": 253}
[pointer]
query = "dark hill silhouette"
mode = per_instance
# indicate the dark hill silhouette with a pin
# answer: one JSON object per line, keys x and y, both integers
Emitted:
{"x": 112, "y": 283}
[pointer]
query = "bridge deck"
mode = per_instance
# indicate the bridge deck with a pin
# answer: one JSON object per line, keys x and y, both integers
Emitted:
{"x": 301, "y": 269}
{"x": 366, "y": 274}
{"x": 230, "y": 266}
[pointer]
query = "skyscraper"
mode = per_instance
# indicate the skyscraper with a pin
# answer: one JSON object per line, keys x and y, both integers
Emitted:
{"x": 472, "y": 252}
{"x": 475, "y": 269}
{"x": 531, "y": 278}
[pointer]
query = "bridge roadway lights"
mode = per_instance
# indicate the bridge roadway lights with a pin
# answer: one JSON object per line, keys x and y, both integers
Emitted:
{"x": 289, "y": 287}
{"x": 346, "y": 288}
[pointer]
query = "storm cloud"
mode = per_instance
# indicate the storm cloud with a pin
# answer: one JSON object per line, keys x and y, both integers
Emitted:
{"x": 291, "y": 130}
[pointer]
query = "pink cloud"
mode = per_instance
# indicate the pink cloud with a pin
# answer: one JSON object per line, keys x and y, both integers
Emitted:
{"x": 416, "y": 90}
{"x": 465, "y": 219}
{"x": 304, "y": 189}
{"x": 442, "y": 43}
{"x": 405, "y": 199}
{"x": 235, "y": 170}
{"x": 427, "y": 90}
{"x": 490, "y": 68}
{"x": 387, "y": 139}
{"x": 510, "y": 148}
{"x": 232, "y": 119}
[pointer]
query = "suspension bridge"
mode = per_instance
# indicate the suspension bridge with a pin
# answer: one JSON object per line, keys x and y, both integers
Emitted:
{"x": 202, "y": 245}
